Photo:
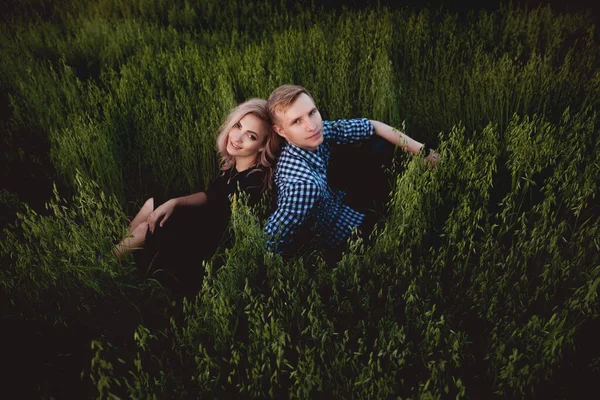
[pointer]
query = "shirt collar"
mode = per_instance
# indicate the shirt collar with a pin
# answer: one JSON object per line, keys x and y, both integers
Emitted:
{"x": 312, "y": 157}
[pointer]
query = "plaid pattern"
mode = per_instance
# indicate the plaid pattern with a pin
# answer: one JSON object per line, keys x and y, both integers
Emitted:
{"x": 305, "y": 197}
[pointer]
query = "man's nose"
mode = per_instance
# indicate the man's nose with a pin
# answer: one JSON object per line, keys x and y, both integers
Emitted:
{"x": 310, "y": 125}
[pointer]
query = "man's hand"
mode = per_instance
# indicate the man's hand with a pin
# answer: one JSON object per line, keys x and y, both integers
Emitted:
{"x": 432, "y": 158}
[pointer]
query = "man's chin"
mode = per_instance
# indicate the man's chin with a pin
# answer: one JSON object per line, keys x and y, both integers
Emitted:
{"x": 318, "y": 140}
{"x": 313, "y": 144}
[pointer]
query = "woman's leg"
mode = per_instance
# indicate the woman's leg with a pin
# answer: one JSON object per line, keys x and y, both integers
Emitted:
{"x": 131, "y": 243}
{"x": 137, "y": 228}
{"x": 142, "y": 215}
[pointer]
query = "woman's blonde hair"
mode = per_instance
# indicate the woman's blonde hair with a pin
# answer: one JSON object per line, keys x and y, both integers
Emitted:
{"x": 268, "y": 156}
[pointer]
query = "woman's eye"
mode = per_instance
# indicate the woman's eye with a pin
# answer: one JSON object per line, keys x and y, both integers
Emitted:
{"x": 238, "y": 126}
{"x": 252, "y": 137}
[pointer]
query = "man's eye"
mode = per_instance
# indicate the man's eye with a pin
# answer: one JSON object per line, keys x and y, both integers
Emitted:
{"x": 294, "y": 122}
{"x": 312, "y": 112}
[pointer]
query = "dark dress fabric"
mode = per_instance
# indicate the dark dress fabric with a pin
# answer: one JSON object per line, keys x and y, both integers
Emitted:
{"x": 173, "y": 254}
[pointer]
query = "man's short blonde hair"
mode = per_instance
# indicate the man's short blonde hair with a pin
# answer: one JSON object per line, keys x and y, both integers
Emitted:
{"x": 283, "y": 97}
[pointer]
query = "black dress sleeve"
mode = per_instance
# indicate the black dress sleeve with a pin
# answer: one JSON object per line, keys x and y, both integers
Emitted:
{"x": 216, "y": 190}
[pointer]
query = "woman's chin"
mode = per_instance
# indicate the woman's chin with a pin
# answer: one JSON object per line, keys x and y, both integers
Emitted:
{"x": 232, "y": 150}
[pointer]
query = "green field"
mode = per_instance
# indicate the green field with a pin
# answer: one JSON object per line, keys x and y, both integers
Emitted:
{"x": 482, "y": 283}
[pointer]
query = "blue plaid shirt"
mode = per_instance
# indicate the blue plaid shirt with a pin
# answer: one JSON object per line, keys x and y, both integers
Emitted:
{"x": 304, "y": 197}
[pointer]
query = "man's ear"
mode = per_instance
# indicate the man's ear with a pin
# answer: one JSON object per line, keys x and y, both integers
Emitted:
{"x": 279, "y": 130}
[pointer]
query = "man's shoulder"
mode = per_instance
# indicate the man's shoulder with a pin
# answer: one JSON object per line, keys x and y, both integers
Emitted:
{"x": 345, "y": 123}
{"x": 347, "y": 130}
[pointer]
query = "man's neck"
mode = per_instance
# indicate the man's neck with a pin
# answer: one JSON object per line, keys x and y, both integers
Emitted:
{"x": 309, "y": 149}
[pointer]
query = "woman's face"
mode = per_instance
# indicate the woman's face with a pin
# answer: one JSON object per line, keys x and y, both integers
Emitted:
{"x": 247, "y": 137}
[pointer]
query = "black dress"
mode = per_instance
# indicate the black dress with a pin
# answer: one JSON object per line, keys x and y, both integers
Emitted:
{"x": 173, "y": 254}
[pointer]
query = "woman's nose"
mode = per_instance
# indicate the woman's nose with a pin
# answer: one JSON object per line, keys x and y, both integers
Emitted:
{"x": 237, "y": 137}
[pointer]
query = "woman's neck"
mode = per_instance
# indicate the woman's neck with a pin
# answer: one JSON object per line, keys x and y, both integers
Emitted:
{"x": 243, "y": 163}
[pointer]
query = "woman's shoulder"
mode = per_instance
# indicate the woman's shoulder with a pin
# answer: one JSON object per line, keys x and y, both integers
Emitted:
{"x": 219, "y": 180}
{"x": 253, "y": 176}
{"x": 249, "y": 172}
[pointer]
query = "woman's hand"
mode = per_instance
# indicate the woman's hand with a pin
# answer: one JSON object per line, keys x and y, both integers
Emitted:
{"x": 164, "y": 210}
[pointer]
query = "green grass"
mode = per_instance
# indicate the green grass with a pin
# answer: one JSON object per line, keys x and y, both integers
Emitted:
{"x": 482, "y": 282}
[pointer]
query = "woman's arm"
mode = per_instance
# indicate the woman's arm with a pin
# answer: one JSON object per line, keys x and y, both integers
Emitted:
{"x": 196, "y": 199}
{"x": 166, "y": 209}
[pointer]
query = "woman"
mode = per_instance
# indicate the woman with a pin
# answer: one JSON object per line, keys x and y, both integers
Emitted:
{"x": 180, "y": 232}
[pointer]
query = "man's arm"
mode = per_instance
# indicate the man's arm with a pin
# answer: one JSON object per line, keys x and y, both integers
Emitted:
{"x": 344, "y": 131}
{"x": 399, "y": 139}
{"x": 294, "y": 204}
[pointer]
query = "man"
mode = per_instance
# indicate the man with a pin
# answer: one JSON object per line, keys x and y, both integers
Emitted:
{"x": 305, "y": 201}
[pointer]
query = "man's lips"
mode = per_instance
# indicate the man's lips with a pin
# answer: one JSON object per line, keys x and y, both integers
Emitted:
{"x": 316, "y": 135}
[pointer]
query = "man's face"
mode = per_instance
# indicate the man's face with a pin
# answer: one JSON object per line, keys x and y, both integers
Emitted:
{"x": 301, "y": 123}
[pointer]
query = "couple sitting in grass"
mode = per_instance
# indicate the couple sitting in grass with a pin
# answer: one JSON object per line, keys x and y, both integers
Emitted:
{"x": 248, "y": 143}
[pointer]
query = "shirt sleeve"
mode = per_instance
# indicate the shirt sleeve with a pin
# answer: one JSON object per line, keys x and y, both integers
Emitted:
{"x": 346, "y": 131}
{"x": 294, "y": 205}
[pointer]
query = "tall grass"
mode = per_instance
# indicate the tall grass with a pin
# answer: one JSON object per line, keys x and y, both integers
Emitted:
{"x": 454, "y": 283}
{"x": 53, "y": 262}
{"x": 483, "y": 279}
